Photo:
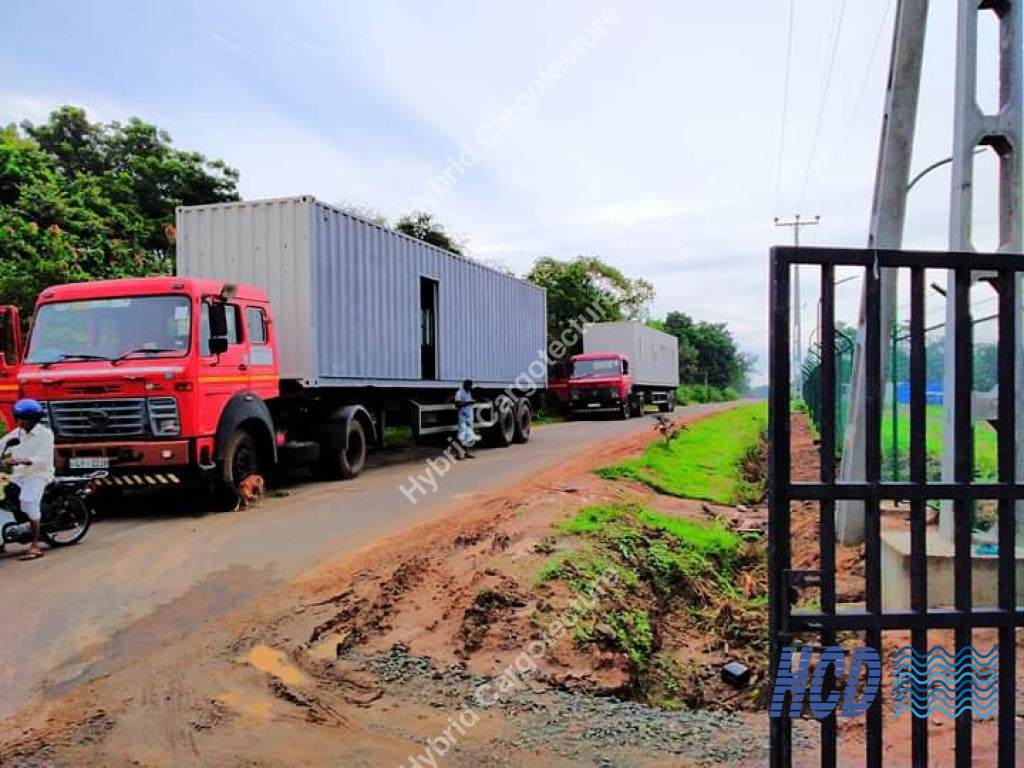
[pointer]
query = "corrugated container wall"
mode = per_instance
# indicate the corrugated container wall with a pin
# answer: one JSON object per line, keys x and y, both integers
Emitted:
{"x": 654, "y": 355}
{"x": 346, "y": 295}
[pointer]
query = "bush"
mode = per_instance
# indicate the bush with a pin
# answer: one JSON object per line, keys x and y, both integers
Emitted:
{"x": 698, "y": 393}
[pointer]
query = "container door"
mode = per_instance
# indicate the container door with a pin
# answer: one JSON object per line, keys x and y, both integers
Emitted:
{"x": 428, "y": 328}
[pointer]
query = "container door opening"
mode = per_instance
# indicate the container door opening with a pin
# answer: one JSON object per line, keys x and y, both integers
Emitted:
{"x": 428, "y": 328}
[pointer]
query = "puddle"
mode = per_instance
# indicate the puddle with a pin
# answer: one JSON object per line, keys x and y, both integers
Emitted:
{"x": 254, "y": 706}
{"x": 274, "y": 662}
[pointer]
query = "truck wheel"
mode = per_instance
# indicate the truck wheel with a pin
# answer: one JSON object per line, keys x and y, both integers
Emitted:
{"x": 504, "y": 430}
{"x": 524, "y": 421}
{"x": 345, "y": 463}
{"x": 625, "y": 409}
{"x": 241, "y": 459}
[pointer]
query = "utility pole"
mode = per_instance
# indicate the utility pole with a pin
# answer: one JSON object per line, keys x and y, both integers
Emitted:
{"x": 795, "y": 224}
{"x": 974, "y": 129}
{"x": 888, "y": 213}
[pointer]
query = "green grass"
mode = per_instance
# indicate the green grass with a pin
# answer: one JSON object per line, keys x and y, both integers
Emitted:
{"x": 985, "y": 450}
{"x": 703, "y": 462}
{"x": 398, "y": 437}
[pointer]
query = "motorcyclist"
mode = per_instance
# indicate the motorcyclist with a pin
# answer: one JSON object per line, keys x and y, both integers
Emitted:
{"x": 31, "y": 463}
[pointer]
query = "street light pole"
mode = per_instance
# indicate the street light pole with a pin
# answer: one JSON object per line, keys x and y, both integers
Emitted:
{"x": 797, "y": 331}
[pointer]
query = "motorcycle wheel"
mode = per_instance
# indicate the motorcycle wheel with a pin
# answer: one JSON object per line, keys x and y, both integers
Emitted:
{"x": 69, "y": 524}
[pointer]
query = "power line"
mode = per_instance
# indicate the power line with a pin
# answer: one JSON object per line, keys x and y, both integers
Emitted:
{"x": 862, "y": 92}
{"x": 785, "y": 104}
{"x": 837, "y": 34}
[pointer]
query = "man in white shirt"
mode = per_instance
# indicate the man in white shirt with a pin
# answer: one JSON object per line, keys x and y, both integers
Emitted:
{"x": 28, "y": 453}
{"x": 464, "y": 402}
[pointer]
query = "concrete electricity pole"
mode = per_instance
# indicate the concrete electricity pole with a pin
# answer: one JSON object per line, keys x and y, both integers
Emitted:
{"x": 798, "y": 349}
{"x": 888, "y": 213}
{"x": 1002, "y": 131}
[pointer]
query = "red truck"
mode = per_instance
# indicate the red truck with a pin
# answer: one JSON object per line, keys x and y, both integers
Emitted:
{"x": 10, "y": 359}
{"x": 170, "y": 380}
{"x": 625, "y": 366}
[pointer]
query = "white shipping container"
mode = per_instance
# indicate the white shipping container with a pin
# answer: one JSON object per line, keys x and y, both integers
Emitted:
{"x": 653, "y": 355}
{"x": 357, "y": 304}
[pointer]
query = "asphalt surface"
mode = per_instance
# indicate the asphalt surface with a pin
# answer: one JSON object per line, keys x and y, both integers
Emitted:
{"x": 157, "y": 569}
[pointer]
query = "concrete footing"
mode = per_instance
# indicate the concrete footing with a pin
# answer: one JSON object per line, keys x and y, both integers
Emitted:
{"x": 896, "y": 573}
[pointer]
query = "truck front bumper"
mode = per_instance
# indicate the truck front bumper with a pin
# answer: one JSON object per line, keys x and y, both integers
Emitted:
{"x": 140, "y": 463}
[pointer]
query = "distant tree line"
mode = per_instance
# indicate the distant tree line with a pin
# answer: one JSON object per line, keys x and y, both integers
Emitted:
{"x": 83, "y": 200}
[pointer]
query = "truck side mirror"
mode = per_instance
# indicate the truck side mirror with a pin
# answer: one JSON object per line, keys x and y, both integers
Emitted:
{"x": 218, "y": 321}
{"x": 218, "y": 345}
{"x": 625, "y": 366}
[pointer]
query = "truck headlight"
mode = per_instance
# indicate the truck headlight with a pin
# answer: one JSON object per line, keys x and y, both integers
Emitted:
{"x": 167, "y": 427}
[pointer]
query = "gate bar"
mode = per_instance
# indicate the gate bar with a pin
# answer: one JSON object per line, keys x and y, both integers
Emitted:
{"x": 779, "y": 530}
{"x": 1007, "y": 458}
{"x": 827, "y": 507}
{"x": 872, "y": 474}
{"x": 918, "y": 508}
{"x": 963, "y": 469}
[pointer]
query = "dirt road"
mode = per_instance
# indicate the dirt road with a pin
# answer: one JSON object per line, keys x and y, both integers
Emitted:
{"x": 79, "y": 613}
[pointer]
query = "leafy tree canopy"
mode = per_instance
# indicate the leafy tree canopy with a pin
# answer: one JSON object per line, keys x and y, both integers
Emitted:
{"x": 574, "y": 286}
{"x": 84, "y": 201}
{"x": 708, "y": 353}
{"x": 424, "y": 227}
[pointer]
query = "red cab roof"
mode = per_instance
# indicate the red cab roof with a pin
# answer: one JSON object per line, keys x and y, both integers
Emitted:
{"x": 144, "y": 286}
{"x": 599, "y": 356}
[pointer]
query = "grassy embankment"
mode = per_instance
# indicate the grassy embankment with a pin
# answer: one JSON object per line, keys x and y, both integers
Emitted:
{"x": 677, "y": 578}
{"x": 716, "y": 459}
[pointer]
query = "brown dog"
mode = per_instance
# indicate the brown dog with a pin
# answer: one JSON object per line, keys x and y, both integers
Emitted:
{"x": 250, "y": 491}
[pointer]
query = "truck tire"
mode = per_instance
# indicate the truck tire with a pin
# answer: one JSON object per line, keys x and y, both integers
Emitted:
{"x": 241, "y": 459}
{"x": 625, "y": 409}
{"x": 524, "y": 422}
{"x": 504, "y": 430}
{"x": 345, "y": 463}
{"x": 668, "y": 406}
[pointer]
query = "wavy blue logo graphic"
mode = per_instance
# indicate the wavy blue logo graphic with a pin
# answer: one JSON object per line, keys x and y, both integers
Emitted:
{"x": 938, "y": 681}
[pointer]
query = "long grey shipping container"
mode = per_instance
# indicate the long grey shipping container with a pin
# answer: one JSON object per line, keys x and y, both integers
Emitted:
{"x": 653, "y": 354}
{"x": 347, "y": 296}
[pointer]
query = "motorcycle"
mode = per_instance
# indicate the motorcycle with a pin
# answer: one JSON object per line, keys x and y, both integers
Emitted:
{"x": 66, "y": 513}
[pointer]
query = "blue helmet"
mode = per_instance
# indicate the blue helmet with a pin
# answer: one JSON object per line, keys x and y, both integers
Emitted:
{"x": 28, "y": 409}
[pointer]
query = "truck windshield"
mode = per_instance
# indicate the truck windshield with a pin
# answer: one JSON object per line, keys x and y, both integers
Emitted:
{"x": 105, "y": 329}
{"x": 607, "y": 367}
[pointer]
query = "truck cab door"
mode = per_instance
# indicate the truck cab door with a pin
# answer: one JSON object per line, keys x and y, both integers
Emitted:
{"x": 10, "y": 361}
{"x": 223, "y": 362}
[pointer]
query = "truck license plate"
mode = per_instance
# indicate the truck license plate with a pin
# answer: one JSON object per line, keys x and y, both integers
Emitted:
{"x": 593, "y": 405}
{"x": 89, "y": 462}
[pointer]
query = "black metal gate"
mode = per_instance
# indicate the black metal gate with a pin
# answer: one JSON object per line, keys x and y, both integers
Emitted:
{"x": 824, "y": 622}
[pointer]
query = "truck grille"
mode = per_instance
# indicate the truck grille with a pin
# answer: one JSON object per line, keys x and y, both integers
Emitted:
{"x": 126, "y": 417}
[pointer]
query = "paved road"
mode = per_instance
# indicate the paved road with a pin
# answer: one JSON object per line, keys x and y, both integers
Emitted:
{"x": 150, "y": 574}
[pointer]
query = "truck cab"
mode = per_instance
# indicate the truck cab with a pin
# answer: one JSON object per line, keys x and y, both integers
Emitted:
{"x": 150, "y": 378}
{"x": 601, "y": 381}
{"x": 10, "y": 361}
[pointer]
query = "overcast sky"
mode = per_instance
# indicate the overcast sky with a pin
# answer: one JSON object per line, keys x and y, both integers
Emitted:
{"x": 655, "y": 146}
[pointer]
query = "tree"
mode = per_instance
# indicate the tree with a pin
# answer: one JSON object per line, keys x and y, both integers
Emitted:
{"x": 708, "y": 353}
{"x": 83, "y": 201}
{"x": 423, "y": 227}
{"x": 575, "y": 286}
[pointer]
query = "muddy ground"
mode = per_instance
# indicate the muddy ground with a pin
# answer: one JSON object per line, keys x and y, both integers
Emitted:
{"x": 416, "y": 639}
